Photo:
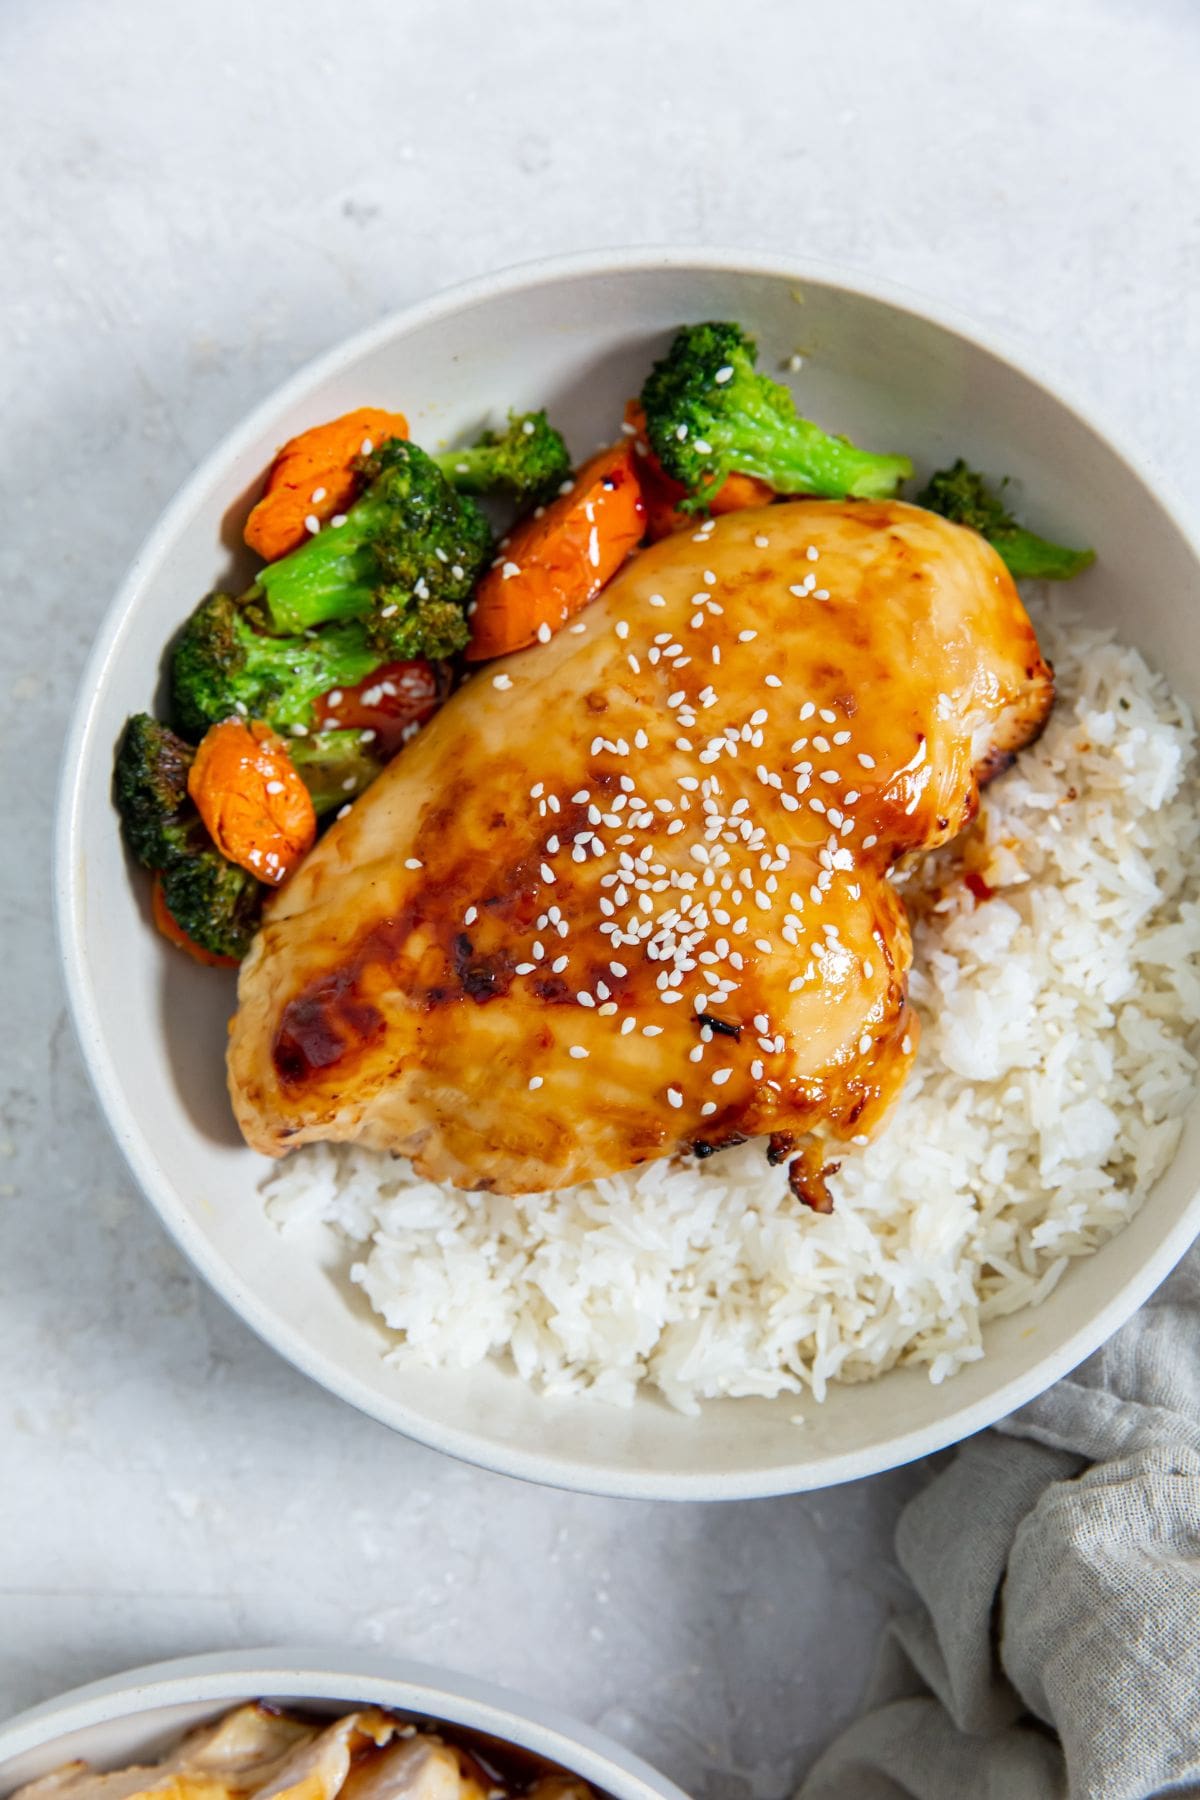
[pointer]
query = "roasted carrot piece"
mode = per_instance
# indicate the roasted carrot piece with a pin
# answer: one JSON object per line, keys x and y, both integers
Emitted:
{"x": 663, "y": 494}
{"x": 554, "y": 564}
{"x": 737, "y": 492}
{"x": 313, "y": 477}
{"x": 258, "y": 812}
{"x": 389, "y": 702}
{"x": 175, "y": 934}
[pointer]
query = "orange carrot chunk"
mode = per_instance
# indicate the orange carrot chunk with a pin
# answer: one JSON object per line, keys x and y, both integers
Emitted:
{"x": 553, "y": 565}
{"x": 313, "y": 477}
{"x": 257, "y": 810}
{"x": 175, "y": 934}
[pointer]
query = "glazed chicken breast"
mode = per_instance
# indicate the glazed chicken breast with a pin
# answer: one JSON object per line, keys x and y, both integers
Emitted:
{"x": 628, "y": 893}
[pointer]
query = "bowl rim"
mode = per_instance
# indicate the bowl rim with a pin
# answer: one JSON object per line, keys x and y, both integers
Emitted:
{"x": 298, "y": 1672}
{"x": 547, "y": 1466}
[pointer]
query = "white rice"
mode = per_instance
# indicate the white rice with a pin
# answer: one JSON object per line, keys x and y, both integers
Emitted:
{"x": 1053, "y": 1072}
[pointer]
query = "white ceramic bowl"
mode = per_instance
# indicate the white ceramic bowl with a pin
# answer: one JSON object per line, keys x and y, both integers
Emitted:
{"x": 577, "y": 335}
{"x": 141, "y": 1714}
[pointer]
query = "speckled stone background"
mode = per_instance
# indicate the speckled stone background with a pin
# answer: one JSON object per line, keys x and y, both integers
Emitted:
{"x": 193, "y": 200}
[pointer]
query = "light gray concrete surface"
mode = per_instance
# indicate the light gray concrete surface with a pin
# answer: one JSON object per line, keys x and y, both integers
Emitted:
{"x": 194, "y": 199}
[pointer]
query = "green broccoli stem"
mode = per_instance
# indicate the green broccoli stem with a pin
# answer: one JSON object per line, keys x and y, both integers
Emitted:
{"x": 794, "y": 456}
{"x": 335, "y": 767}
{"x": 960, "y": 493}
{"x": 331, "y": 577}
{"x": 221, "y": 666}
{"x": 470, "y": 471}
{"x": 339, "y": 657}
{"x": 1031, "y": 558}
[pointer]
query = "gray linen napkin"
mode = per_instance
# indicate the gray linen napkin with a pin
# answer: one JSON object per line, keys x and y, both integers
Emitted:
{"x": 1054, "y": 1649}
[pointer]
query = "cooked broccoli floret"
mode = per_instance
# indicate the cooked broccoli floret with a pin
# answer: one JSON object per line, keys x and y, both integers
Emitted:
{"x": 222, "y": 665}
{"x": 334, "y": 766}
{"x": 150, "y": 788}
{"x": 709, "y": 412}
{"x": 527, "y": 461}
{"x": 959, "y": 493}
{"x": 403, "y": 562}
{"x": 212, "y": 900}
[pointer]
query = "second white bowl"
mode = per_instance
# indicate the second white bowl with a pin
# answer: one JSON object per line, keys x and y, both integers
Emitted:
{"x": 139, "y": 1715}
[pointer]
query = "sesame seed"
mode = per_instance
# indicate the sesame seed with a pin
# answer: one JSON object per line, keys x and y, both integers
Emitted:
{"x": 337, "y": 520}
{"x": 544, "y": 633}
{"x": 276, "y": 787}
{"x": 312, "y": 523}
{"x": 413, "y": 862}
{"x": 366, "y": 447}
{"x": 547, "y": 872}
{"x": 503, "y": 682}
{"x": 652, "y": 1030}
{"x": 577, "y": 1051}
{"x": 747, "y": 637}
{"x": 864, "y": 1043}
{"x": 723, "y": 374}
{"x": 535, "y": 1081}
{"x": 868, "y": 762}
{"x": 773, "y": 681}
{"x": 524, "y": 968}
{"x": 674, "y": 1096}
